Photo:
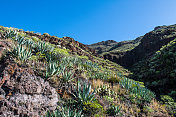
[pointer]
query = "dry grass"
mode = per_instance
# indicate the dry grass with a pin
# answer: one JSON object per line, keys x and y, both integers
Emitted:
{"x": 158, "y": 107}
{"x": 132, "y": 110}
{"x": 97, "y": 83}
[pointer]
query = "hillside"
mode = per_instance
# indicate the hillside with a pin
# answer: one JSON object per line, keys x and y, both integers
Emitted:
{"x": 158, "y": 72}
{"x": 127, "y": 53}
{"x": 43, "y": 75}
{"x": 151, "y": 61}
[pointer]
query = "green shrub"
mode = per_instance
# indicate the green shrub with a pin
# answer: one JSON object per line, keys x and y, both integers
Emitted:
{"x": 173, "y": 94}
{"x": 61, "y": 51}
{"x": 169, "y": 104}
{"x": 167, "y": 99}
{"x": 83, "y": 57}
{"x": 113, "y": 110}
{"x": 147, "y": 109}
{"x": 67, "y": 76}
{"x": 92, "y": 108}
{"x": 108, "y": 98}
{"x": 113, "y": 79}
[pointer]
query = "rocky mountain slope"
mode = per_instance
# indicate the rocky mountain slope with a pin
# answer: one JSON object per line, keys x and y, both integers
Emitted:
{"x": 127, "y": 53}
{"x": 43, "y": 75}
{"x": 158, "y": 72}
{"x": 152, "y": 61}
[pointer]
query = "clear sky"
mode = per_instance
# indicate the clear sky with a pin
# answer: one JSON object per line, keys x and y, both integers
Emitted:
{"x": 88, "y": 21}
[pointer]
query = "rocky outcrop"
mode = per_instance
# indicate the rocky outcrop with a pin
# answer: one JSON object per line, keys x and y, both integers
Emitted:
{"x": 24, "y": 94}
{"x": 75, "y": 47}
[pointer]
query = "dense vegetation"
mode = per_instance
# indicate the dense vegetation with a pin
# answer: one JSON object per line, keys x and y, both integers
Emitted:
{"x": 159, "y": 73}
{"x": 151, "y": 60}
{"x": 87, "y": 85}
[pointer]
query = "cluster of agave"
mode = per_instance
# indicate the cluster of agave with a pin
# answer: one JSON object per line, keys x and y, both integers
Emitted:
{"x": 64, "y": 112}
{"x": 88, "y": 66}
{"x": 97, "y": 74}
{"x": 136, "y": 89}
{"x": 100, "y": 75}
{"x": 20, "y": 51}
{"x": 10, "y": 33}
{"x": 43, "y": 47}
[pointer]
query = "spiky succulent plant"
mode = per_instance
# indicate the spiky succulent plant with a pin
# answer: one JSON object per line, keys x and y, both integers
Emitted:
{"x": 10, "y": 33}
{"x": 67, "y": 76}
{"x": 84, "y": 94}
{"x": 21, "y": 53}
{"x": 137, "y": 89}
{"x": 64, "y": 112}
{"x": 43, "y": 47}
{"x": 52, "y": 69}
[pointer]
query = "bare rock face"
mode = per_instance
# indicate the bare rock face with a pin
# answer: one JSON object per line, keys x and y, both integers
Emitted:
{"x": 24, "y": 94}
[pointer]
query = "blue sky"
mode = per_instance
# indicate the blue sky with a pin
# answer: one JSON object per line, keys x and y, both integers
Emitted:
{"x": 88, "y": 21}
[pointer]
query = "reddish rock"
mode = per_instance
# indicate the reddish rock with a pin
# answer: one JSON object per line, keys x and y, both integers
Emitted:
{"x": 24, "y": 94}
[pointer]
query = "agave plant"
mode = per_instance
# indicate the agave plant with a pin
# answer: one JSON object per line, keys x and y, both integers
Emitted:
{"x": 10, "y": 33}
{"x": 66, "y": 60}
{"x": 19, "y": 39}
{"x": 52, "y": 69}
{"x": 67, "y": 112}
{"x": 44, "y": 47}
{"x": 84, "y": 95}
{"x": 100, "y": 75}
{"x": 93, "y": 65}
{"x": 67, "y": 76}
{"x": 126, "y": 83}
{"x": 137, "y": 89}
{"x": 21, "y": 53}
{"x": 64, "y": 112}
{"x": 29, "y": 43}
